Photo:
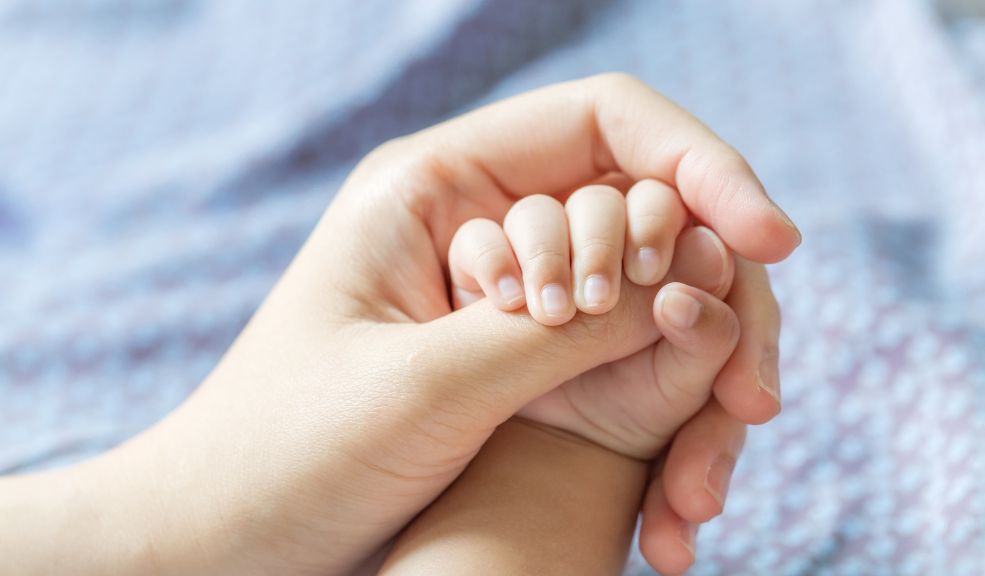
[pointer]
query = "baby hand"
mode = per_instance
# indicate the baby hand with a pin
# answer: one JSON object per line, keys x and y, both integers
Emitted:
{"x": 558, "y": 259}
{"x": 653, "y": 399}
{"x": 633, "y": 406}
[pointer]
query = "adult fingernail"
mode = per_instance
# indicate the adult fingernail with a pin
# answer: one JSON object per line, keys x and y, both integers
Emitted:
{"x": 711, "y": 244}
{"x": 717, "y": 478}
{"x": 597, "y": 290}
{"x": 768, "y": 377}
{"x": 680, "y": 308}
{"x": 554, "y": 299}
{"x": 688, "y": 534}
{"x": 789, "y": 223}
{"x": 649, "y": 264}
{"x": 509, "y": 289}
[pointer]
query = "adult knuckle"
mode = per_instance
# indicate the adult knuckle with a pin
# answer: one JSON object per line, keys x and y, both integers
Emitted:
{"x": 618, "y": 80}
{"x": 392, "y": 147}
{"x": 425, "y": 160}
{"x": 412, "y": 173}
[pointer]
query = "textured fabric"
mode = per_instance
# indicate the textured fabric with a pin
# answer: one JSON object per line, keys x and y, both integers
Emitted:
{"x": 161, "y": 162}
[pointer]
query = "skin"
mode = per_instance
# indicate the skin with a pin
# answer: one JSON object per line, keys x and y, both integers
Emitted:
{"x": 501, "y": 516}
{"x": 578, "y": 248}
{"x": 625, "y": 406}
{"x": 351, "y": 401}
{"x": 631, "y": 407}
{"x": 534, "y": 501}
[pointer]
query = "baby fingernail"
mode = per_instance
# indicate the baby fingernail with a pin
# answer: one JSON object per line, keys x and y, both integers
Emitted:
{"x": 717, "y": 478}
{"x": 649, "y": 261}
{"x": 597, "y": 290}
{"x": 688, "y": 533}
{"x": 509, "y": 289}
{"x": 554, "y": 299}
{"x": 680, "y": 309}
{"x": 768, "y": 378}
{"x": 465, "y": 297}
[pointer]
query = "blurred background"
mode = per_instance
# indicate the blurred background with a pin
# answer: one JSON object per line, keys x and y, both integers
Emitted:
{"x": 162, "y": 160}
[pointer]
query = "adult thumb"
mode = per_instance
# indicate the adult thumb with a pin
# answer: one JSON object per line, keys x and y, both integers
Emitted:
{"x": 485, "y": 364}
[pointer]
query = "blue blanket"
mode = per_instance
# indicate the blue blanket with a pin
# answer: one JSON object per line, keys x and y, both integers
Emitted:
{"x": 161, "y": 161}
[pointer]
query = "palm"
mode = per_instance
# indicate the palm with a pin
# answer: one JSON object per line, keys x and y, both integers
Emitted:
{"x": 406, "y": 272}
{"x": 619, "y": 405}
{"x": 344, "y": 326}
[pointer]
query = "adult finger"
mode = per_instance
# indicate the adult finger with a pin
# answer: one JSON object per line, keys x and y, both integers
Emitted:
{"x": 690, "y": 487}
{"x": 667, "y": 382}
{"x": 699, "y": 335}
{"x": 494, "y": 363}
{"x": 699, "y": 465}
{"x": 667, "y": 541}
{"x": 553, "y": 139}
{"x": 749, "y": 385}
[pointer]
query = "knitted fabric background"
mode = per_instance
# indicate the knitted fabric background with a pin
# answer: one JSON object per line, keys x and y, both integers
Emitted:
{"x": 162, "y": 161}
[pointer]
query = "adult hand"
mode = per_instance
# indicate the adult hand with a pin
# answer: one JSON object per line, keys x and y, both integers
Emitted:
{"x": 690, "y": 485}
{"x": 355, "y": 395}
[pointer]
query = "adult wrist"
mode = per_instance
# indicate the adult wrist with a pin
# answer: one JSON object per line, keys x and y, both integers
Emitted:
{"x": 112, "y": 515}
{"x": 65, "y": 521}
